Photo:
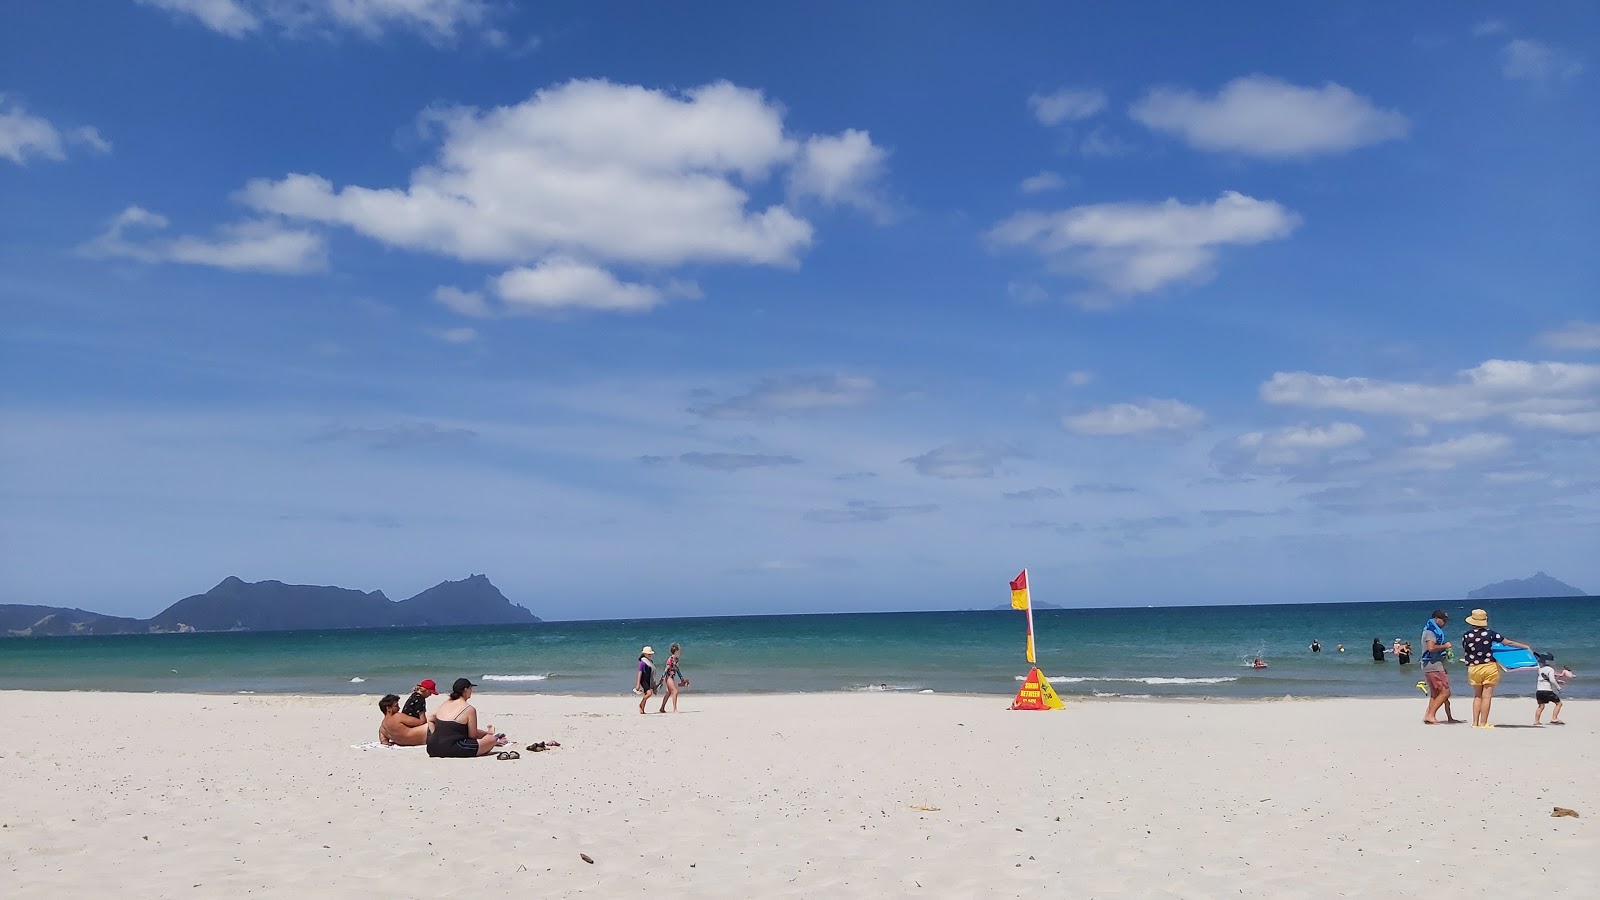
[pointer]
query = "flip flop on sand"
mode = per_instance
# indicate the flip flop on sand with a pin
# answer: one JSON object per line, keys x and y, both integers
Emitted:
{"x": 542, "y": 745}
{"x": 508, "y": 754}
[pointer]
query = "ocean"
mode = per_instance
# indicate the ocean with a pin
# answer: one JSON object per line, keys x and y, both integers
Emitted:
{"x": 1152, "y": 652}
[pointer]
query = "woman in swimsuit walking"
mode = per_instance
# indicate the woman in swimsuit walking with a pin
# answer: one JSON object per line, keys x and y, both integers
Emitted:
{"x": 672, "y": 679}
{"x": 455, "y": 727}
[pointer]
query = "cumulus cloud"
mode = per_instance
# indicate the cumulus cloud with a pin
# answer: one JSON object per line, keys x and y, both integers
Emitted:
{"x": 24, "y": 136}
{"x": 1145, "y": 418}
{"x": 1574, "y": 336}
{"x": 1286, "y": 450}
{"x": 1134, "y": 248}
{"x": 439, "y": 21}
{"x": 792, "y": 394}
{"x": 1524, "y": 59}
{"x": 253, "y": 246}
{"x": 467, "y": 303}
{"x": 1448, "y": 454}
{"x": 1552, "y": 395}
{"x": 1067, "y": 105}
{"x": 1035, "y": 493}
{"x": 842, "y": 169}
{"x": 1044, "y": 181}
{"x": 867, "y": 511}
{"x": 734, "y": 462}
{"x": 1270, "y": 118}
{"x": 589, "y": 175}
{"x": 962, "y": 460}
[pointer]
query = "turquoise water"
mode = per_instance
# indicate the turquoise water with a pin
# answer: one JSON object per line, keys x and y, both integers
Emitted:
{"x": 1163, "y": 652}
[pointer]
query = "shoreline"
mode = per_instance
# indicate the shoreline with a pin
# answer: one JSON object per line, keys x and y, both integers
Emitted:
{"x": 1066, "y": 696}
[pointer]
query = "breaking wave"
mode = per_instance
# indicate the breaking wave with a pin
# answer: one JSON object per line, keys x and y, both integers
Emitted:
{"x": 1067, "y": 679}
{"x": 516, "y": 677}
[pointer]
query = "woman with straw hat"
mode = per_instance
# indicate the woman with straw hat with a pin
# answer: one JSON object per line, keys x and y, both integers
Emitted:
{"x": 1483, "y": 673}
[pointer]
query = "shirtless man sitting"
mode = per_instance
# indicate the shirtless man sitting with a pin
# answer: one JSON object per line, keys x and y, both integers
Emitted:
{"x": 397, "y": 728}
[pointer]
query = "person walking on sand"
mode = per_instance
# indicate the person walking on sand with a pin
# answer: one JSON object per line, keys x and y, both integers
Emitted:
{"x": 1434, "y": 651}
{"x": 1483, "y": 673}
{"x": 645, "y": 684}
{"x": 672, "y": 679}
{"x": 1548, "y": 690}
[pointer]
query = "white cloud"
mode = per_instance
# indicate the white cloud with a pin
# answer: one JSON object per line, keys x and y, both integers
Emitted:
{"x": 1525, "y": 59}
{"x": 467, "y": 303}
{"x": 24, "y": 136}
{"x": 1488, "y": 26}
{"x": 792, "y": 394}
{"x": 1271, "y": 118}
{"x": 1587, "y": 422}
{"x": 457, "y": 335}
{"x": 1067, "y": 105}
{"x": 1148, "y": 417}
{"x": 961, "y": 460}
{"x": 1534, "y": 394}
{"x": 1079, "y": 378}
{"x": 1297, "y": 447}
{"x": 842, "y": 169}
{"x": 588, "y": 174}
{"x": 1574, "y": 336}
{"x": 1044, "y": 181}
{"x": 439, "y": 21}
{"x": 1102, "y": 144}
{"x": 258, "y": 246}
{"x": 1448, "y": 454}
{"x": 1134, "y": 248}
{"x": 564, "y": 284}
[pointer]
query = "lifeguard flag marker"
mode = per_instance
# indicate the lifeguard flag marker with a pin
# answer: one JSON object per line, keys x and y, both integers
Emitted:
{"x": 1036, "y": 693}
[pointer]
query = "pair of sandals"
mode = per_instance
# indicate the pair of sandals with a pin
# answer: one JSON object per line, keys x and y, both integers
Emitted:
{"x": 541, "y": 746}
{"x": 508, "y": 754}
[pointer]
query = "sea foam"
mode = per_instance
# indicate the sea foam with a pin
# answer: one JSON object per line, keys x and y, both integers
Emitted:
{"x": 516, "y": 677}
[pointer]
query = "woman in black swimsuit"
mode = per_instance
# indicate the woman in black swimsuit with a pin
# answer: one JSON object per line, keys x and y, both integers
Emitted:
{"x": 455, "y": 727}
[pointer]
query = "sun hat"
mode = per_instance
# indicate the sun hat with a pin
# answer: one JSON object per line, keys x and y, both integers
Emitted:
{"x": 427, "y": 684}
{"x": 647, "y": 651}
{"x": 1479, "y": 617}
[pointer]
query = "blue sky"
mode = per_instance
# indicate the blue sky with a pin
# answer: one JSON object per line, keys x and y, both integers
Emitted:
{"x": 741, "y": 308}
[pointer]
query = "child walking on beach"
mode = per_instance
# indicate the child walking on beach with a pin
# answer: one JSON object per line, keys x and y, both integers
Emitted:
{"x": 672, "y": 679}
{"x": 1549, "y": 690}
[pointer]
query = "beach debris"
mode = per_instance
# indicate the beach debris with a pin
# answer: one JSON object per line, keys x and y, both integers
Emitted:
{"x": 1563, "y": 811}
{"x": 586, "y": 858}
{"x": 927, "y": 808}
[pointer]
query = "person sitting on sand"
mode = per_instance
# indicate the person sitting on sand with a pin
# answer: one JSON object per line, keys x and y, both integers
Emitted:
{"x": 396, "y": 730}
{"x": 417, "y": 704}
{"x": 455, "y": 727}
{"x": 672, "y": 679}
{"x": 1483, "y": 673}
{"x": 645, "y": 684}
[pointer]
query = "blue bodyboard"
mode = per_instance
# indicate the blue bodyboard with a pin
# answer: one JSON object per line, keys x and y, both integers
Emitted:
{"x": 1514, "y": 657}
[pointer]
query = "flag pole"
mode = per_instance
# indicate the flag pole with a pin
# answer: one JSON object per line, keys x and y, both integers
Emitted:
{"x": 1032, "y": 645}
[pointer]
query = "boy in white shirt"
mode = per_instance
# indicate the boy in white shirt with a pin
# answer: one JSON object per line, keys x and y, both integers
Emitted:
{"x": 1549, "y": 690}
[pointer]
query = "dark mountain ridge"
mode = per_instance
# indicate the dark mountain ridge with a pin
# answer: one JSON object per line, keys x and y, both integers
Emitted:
{"x": 1539, "y": 585}
{"x": 237, "y": 605}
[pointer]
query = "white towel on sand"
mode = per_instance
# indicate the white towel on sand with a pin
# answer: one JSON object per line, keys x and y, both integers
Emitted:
{"x": 376, "y": 745}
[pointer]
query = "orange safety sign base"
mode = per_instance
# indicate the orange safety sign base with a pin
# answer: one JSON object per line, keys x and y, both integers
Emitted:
{"x": 1036, "y": 693}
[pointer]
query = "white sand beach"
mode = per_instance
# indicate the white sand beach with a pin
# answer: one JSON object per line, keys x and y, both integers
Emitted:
{"x": 819, "y": 795}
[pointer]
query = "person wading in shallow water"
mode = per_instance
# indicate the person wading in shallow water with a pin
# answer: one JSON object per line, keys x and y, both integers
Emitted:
{"x": 1377, "y": 650}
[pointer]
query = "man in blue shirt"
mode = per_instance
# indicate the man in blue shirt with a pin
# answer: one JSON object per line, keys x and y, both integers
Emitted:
{"x": 1434, "y": 650}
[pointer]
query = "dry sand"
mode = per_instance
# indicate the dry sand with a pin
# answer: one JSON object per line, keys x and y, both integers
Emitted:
{"x": 855, "y": 795}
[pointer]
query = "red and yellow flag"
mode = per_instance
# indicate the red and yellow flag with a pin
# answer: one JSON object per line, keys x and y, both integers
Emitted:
{"x": 1019, "y": 591}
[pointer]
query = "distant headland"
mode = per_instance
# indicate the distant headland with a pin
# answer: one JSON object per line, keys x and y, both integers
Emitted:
{"x": 1539, "y": 585}
{"x": 236, "y": 605}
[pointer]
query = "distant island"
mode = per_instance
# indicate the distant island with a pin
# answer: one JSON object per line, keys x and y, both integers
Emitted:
{"x": 1540, "y": 585}
{"x": 236, "y": 605}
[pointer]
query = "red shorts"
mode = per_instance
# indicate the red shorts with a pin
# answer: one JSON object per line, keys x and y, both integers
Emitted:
{"x": 1437, "y": 681}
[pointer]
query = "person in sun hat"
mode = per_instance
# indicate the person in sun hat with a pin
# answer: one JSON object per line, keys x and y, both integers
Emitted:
{"x": 417, "y": 704}
{"x": 645, "y": 684}
{"x": 1483, "y": 673}
{"x": 1435, "y": 650}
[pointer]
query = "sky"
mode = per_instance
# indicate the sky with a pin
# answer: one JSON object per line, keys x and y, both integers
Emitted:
{"x": 664, "y": 309}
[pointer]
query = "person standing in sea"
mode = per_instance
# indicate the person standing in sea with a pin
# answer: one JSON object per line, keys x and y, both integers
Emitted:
{"x": 1483, "y": 673}
{"x": 1377, "y": 650}
{"x": 1434, "y": 651}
